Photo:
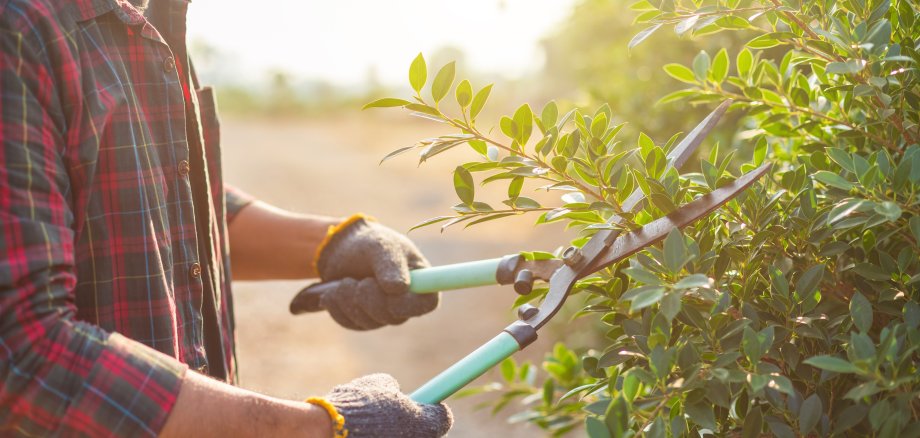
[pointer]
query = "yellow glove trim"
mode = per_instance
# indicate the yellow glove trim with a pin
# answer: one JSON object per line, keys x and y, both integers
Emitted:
{"x": 338, "y": 421}
{"x": 333, "y": 229}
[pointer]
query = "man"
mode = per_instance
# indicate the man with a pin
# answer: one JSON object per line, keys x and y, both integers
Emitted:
{"x": 114, "y": 261}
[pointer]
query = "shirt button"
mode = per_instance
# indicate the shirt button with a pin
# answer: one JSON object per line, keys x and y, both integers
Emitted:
{"x": 195, "y": 270}
{"x": 184, "y": 167}
{"x": 169, "y": 64}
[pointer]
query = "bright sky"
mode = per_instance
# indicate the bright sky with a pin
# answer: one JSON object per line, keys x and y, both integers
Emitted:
{"x": 340, "y": 40}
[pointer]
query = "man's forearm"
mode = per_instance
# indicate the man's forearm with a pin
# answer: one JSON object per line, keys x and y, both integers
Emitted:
{"x": 269, "y": 243}
{"x": 208, "y": 408}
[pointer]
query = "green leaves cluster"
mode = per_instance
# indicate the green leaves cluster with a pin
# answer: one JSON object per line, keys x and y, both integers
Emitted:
{"x": 577, "y": 154}
{"x": 792, "y": 311}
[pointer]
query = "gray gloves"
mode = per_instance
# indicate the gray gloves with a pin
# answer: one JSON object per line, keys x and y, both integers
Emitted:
{"x": 372, "y": 263}
{"x": 373, "y": 406}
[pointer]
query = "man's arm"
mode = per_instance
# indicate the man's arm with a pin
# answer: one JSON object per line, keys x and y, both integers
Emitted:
{"x": 59, "y": 375}
{"x": 208, "y": 408}
{"x": 268, "y": 243}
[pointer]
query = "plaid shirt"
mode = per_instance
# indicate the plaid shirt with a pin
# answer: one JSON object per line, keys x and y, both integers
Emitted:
{"x": 114, "y": 275}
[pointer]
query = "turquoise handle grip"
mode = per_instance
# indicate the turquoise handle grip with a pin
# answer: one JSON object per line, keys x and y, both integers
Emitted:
{"x": 424, "y": 280}
{"x": 456, "y": 276}
{"x": 466, "y": 370}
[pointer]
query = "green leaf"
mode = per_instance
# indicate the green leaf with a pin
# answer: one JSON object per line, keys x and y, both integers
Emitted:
{"x": 514, "y": 188}
{"x": 646, "y": 298}
{"x": 778, "y": 281}
{"x": 845, "y": 68}
{"x": 596, "y": 428}
{"x": 915, "y": 224}
{"x": 889, "y": 210}
{"x": 841, "y": 157}
{"x": 396, "y": 152}
{"x": 675, "y": 251}
{"x": 809, "y": 414}
{"x": 833, "y": 180}
{"x": 675, "y": 96}
{"x": 617, "y": 417}
{"x": 680, "y": 73}
{"x": 670, "y": 305}
{"x": 701, "y": 413}
{"x": 641, "y": 275}
{"x": 658, "y": 429}
{"x": 431, "y": 221}
{"x": 386, "y": 102}
{"x": 508, "y": 127}
{"x": 641, "y": 36}
{"x": 831, "y": 363}
{"x": 701, "y": 65}
{"x": 744, "y": 60}
{"x": 862, "y": 391}
{"x": 508, "y": 369}
{"x": 523, "y": 119}
{"x": 764, "y": 42}
{"x": 599, "y": 125}
{"x": 550, "y": 114}
{"x": 442, "y": 81}
{"x": 861, "y": 312}
{"x": 464, "y": 185}
{"x": 753, "y": 424}
{"x": 418, "y": 73}
{"x": 695, "y": 280}
{"x": 809, "y": 281}
{"x": 719, "y": 70}
{"x": 480, "y": 100}
{"x": 464, "y": 93}
{"x": 525, "y": 203}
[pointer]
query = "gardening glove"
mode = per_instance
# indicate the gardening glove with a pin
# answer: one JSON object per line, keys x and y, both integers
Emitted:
{"x": 372, "y": 264}
{"x": 373, "y": 406}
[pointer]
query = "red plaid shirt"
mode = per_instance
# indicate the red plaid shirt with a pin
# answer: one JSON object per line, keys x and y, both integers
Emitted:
{"x": 113, "y": 247}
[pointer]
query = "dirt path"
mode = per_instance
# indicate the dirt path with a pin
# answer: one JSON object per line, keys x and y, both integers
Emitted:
{"x": 329, "y": 166}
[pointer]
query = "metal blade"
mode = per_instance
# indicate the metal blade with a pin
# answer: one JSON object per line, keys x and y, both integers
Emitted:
{"x": 681, "y": 153}
{"x": 629, "y": 243}
{"x": 601, "y": 240}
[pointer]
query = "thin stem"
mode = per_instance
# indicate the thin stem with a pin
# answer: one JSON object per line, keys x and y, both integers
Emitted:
{"x": 809, "y": 111}
{"x": 511, "y": 210}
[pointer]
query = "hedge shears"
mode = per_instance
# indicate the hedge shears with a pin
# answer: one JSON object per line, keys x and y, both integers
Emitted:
{"x": 605, "y": 248}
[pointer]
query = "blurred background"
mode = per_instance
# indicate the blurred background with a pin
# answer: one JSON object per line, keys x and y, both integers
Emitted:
{"x": 291, "y": 77}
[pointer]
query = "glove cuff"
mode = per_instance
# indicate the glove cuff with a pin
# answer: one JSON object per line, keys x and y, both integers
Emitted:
{"x": 336, "y": 229}
{"x": 338, "y": 421}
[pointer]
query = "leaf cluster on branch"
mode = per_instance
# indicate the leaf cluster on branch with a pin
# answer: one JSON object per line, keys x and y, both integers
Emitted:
{"x": 793, "y": 310}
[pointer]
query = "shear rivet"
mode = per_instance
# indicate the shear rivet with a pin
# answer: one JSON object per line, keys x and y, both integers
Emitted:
{"x": 523, "y": 283}
{"x": 526, "y": 311}
{"x": 572, "y": 256}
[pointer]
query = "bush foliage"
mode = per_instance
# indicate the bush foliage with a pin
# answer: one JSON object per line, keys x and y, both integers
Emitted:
{"x": 792, "y": 311}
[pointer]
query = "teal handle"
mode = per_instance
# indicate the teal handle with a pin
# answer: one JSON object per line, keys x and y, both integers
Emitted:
{"x": 456, "y": 276}
{"x": 466, "y": 370}
{"x": 424, "y": 280}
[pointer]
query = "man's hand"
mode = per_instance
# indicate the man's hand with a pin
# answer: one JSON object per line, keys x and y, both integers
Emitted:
{"x": 372, "y": 263}
{"x": 373, "y": 406}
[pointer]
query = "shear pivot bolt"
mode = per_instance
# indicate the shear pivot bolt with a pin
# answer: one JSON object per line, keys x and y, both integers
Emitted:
{"x": 572, "y": 256}
{"x": 523, "y": 283}
{"x": 526, "y": 311}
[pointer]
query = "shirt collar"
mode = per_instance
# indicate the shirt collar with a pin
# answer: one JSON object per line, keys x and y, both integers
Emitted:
{"x": 90, "y": 9}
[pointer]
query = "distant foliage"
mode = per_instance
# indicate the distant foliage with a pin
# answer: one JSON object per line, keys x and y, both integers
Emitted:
{"x": 792, "y": 311}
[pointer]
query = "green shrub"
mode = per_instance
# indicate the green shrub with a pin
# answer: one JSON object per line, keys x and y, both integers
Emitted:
{"x": 793, "y": 310}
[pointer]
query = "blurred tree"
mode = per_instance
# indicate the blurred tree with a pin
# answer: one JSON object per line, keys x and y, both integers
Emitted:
{"x": 589, "y": 61}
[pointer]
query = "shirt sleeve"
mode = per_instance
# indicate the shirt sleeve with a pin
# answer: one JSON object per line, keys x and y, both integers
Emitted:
{"x": 58, "y": 375}
{"x": 237, "y": 200}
